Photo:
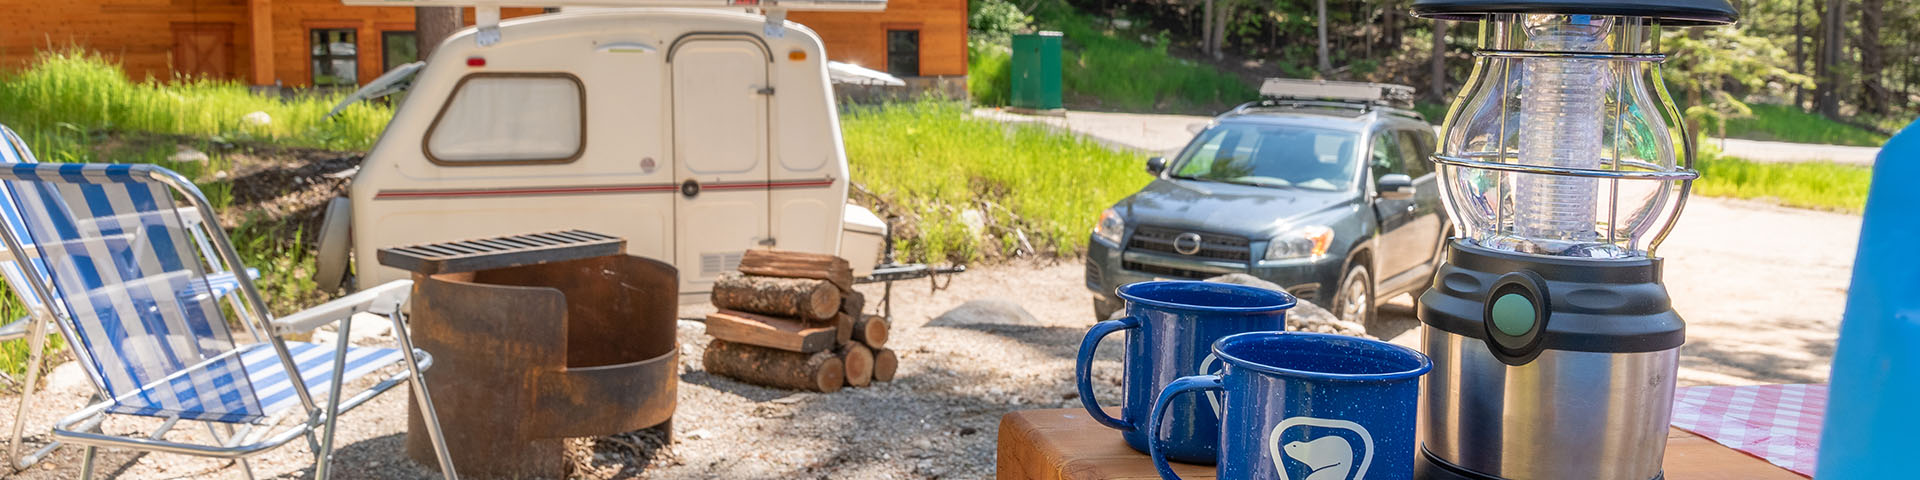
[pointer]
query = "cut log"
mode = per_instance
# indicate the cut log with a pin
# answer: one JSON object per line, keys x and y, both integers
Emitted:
{"x": 819, "y": 371}
{"x": 845, "y": 323}
{"x": 853, "y": 303}
{"x": 871, "y": 330}
{"x": 772, "y": 332}
{"x": 858, "y": 360}
{"x": 791, "y": 264}
{"x": 885, "y": 363}
{"x": 803, "y": 298}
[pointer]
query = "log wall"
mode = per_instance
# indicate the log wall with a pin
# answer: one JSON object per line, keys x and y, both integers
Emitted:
{"x": 265, "y": 42}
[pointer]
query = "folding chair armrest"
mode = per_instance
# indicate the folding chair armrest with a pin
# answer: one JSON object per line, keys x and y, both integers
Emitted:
{"x": 380, "y": 300}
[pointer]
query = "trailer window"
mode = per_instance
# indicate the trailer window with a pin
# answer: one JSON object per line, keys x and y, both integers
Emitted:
{"x": 510, "y": 118}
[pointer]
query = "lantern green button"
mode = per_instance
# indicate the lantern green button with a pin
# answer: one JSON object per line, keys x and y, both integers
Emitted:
{"x": 1513, "y": 314}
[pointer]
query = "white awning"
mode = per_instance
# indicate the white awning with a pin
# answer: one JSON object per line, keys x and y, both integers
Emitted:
{"x": 851, "y": 74}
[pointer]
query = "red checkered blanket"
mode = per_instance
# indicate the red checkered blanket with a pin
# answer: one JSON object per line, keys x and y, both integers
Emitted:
{"x": 1778, "y": 423}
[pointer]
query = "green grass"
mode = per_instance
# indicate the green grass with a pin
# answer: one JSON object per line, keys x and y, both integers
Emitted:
{"x": 933, "y": 161}
{"x": 988, "y": 72}
{"x": 75, "y": 107}
{"x": 89, "y": 91}
{"x": 1784, "y": 123}
{"x": 1108, "y": 69}
{"x": 1814, "y": 185}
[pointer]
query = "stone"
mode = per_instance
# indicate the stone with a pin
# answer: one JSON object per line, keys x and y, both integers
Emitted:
{"x": 257, "y": 119}
{"x": 1304, "y": 316}
{"x": 187, "y": 154}
{"x": 987, "y": 311}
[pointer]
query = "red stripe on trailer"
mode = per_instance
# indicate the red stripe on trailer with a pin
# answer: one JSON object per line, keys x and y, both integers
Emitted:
{"x": 597, "y": 189}
{"x": 506, "y": 192}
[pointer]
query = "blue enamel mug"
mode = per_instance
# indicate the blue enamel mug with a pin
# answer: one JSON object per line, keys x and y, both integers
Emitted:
{"x": 1169, "y": 325}
{"x": 1306, "y": 406}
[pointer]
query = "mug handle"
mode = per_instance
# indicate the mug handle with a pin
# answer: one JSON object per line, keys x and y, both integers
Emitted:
{"x": 1155, "y": 445}
{"x": 1083, "y": 370}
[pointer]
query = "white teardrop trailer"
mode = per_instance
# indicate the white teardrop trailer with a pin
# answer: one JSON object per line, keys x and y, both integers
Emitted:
{"x": 695, "y": 133}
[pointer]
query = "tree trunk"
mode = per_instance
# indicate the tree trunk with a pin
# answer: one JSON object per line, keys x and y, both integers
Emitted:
{"x": 432, "y": 25}
{"x": 1326, "y": 65}
{"x": 1222, "y": 10}
{"x": 802, "y": 298}
{"x": 1206, "y": 27}
{"x": 1799, "y": 56}
{"x": 1437, "y": 84}
{"x": 819, "y": 371}
{"x": 1833, "y": 26}
{"x": 1874, "y": 95}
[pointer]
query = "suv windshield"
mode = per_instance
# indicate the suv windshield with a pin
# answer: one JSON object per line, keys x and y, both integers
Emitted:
{"x": 1271, "y": 156}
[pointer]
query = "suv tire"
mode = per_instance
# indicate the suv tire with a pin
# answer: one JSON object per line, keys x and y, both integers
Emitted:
{"x": 1103, "y": 308}
{"x": 1354, "y": 301}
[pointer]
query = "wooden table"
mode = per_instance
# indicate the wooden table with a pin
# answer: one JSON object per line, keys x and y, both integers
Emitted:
{"x": 1061, "y": 444}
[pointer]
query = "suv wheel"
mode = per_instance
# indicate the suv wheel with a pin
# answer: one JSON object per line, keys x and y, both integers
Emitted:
{"x": 1354, "y": 301}
{"x": 1104, "y": 308}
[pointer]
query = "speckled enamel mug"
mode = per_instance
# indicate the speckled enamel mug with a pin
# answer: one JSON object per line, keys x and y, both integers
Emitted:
{"x": 1307, "y": 406}
{"x": 1169, "y": 325}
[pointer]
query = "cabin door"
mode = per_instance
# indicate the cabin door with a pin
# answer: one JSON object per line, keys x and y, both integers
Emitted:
{"x": 203, "y": 50}
{"x": 720, "y": 100}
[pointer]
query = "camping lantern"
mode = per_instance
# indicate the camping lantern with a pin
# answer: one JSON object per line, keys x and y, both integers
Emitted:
{"x": 1564, "y": 164}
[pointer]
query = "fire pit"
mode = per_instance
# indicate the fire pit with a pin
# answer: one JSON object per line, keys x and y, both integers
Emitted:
{"x": 537, "y": 338}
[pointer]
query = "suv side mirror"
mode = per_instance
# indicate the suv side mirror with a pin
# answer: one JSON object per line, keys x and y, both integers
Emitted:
{"x": 1395, "y": 186}
{"x": 1156, "y": 165}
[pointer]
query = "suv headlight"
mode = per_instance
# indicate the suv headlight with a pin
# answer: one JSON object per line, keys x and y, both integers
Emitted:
{"x": 1310, "y": 242}
{"x": 1110, "y": 226}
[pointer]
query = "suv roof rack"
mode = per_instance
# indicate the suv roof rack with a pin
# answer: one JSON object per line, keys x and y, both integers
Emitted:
{"x": 1359, "y": 97}
{"x": 1382, "y": 94}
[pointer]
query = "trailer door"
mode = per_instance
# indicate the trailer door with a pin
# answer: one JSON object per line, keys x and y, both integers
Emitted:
{"x": 720, "y": 100}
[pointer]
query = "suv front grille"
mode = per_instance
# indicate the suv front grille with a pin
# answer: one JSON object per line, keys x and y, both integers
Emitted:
{"x": 1212, "y": 245}
{"x": 1167, "y": 271}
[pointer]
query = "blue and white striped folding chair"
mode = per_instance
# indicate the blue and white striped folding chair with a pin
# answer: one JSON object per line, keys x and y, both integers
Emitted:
{"x": 119, "y": 264}
{"x": 13, "y": 150}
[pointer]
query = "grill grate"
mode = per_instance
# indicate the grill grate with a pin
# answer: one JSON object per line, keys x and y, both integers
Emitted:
{"x": 501, "y": 252}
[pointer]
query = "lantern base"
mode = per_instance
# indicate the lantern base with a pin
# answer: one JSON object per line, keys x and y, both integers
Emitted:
{"x": 1521, "y": 305}
{"x": 1426, "y": 467}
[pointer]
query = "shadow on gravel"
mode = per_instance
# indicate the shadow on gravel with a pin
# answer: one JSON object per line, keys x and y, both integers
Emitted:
{"x": 378, "y": 457}
{"x": 752, "y": 393}
{"x": 1063, "y": 342}
{"x": 1784, "y": 351}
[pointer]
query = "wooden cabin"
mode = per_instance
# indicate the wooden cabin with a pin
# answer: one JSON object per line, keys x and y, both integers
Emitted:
{"x": 305, "y": 43}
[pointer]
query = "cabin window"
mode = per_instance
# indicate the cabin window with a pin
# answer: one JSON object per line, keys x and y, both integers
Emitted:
{"x": 497, "y": 118}
{"x": 335, "y": 58}
{"x": 903, "y": 53}
{"x": 398, "y": 48}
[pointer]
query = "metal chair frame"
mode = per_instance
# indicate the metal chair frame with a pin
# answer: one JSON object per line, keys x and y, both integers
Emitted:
{"x": 36, "y": 346}
{"x": 321, "y": 420}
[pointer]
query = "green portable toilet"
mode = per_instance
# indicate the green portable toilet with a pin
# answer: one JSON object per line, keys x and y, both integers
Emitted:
{"x": 1036, "y": 71}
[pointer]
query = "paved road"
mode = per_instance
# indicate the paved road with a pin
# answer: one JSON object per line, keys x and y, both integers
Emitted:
{"x": 1762, "y": 287}
{"x": 1165, "y": 134}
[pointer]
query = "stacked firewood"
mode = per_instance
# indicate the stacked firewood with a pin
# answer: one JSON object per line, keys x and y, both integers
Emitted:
{"x": 793, "y": 320}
